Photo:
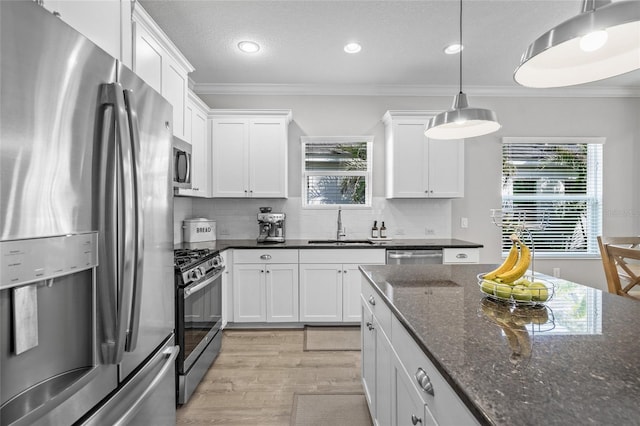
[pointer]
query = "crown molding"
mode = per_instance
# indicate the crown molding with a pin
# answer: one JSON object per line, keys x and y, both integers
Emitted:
{"x": 411, "y": 90}
{"x": 141, "y": 17}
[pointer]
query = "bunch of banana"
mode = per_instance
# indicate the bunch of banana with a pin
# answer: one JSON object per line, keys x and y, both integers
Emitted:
{"x": 514, "y": 266}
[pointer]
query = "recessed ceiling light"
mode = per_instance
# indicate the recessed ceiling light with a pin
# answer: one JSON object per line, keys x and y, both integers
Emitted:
{"x": 248, "y": 46}
{"x": 452, "y": 49}
{"x": 352, "y": 48}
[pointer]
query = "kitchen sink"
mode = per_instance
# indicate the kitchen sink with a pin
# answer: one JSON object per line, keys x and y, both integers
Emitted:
{"x": 342, "y": 242}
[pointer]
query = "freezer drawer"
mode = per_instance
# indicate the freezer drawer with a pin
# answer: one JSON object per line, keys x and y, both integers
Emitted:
{"x": 148, "y": 394}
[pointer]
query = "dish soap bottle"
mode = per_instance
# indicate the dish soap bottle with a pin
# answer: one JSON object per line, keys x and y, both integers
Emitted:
{"x": 383, "y": 231}
{"x": 374, "y": 230}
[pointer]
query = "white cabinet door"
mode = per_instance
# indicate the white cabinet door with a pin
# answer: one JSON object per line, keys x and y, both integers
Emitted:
{"x": 446, "y": 168}
{"x": 406, "y": 161}
{"x": 147, "y": 58}
{"x": 268, "y": 176}
{"x": 368, "y": 361}
{"x": 200, "y": 154}
{"x": 320, "y": 292}
{"x": 174, "y": 89}
{"x": 230, "y": 145}
{"x": 384, "y": 361}
{"x": 107, "y": 23}
{"x": 418, "y": 167}
{"x": 249, "y": 293}
{"x": 406, "y": 406}
{"x": 282, "y": 292}
{"x": 351, "y": 281}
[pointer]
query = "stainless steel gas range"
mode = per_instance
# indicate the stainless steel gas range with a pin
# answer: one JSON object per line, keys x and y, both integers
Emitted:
{"x": 198, "y": 315}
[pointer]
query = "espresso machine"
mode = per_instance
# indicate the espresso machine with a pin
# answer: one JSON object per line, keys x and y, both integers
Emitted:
{"x": 271, "y": 226}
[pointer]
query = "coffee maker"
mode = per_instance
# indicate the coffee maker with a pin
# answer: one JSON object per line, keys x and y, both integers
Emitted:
{"x": 271, "y": 226}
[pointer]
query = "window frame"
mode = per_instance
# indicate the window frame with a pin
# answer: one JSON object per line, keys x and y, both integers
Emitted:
{"x": 594, "y": 170}
{"x": 368, "y": 174}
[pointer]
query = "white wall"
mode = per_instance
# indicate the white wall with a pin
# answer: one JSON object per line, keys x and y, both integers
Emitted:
{"x": 614, "y": 118}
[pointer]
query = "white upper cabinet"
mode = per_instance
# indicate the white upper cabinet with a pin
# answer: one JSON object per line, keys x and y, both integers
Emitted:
{"x": 419, "y": 167}
{"x": 197, "y": 134}
{"x": 107, "y": 23}
{"x": 159, "y": 62}
{"x": 249, "y": 153}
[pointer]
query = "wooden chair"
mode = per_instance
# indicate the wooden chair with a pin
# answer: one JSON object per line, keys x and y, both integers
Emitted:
{"x": 621, "y": 261}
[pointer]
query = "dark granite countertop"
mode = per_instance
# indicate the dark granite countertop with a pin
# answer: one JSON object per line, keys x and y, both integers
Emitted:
{"x": 578, "y": 362}
{"x": 434, "y": 243}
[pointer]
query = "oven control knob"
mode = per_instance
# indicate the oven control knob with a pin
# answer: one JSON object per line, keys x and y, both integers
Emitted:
{"x": 216, "y": 261}
{"x": 196, "y": 274}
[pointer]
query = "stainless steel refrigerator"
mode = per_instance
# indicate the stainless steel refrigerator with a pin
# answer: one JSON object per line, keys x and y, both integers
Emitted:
{"x": 86, "y": 211}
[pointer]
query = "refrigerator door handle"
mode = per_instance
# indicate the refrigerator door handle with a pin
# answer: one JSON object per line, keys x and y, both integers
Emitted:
{"x": 169, "y": 355}
{"x": 134, "y": 324}
{"x": 113, "y": 94}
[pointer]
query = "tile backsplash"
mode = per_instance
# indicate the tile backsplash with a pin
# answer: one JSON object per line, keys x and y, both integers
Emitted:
{"x": 236, "y": 219}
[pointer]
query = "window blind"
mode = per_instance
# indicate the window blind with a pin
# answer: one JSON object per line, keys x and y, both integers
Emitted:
{"x": 556, "y": 188}
{"x": 336, "y": 170}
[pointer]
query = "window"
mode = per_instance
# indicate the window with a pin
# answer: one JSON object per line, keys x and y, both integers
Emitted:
{"x": 555, "y": 186}
{"x": 336, "y": 170}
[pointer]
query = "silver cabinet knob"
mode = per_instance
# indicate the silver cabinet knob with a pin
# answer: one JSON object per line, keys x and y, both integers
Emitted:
{"x": 424, "y": 381}
{"x": 344, "y": 271}
{"x": 415, "y": 419}
{"x": 369, "y": 325}
{"x": 372, "y": 300}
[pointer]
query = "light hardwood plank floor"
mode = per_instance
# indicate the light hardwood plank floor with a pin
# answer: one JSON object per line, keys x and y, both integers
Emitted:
{"x": 253, "y": 380}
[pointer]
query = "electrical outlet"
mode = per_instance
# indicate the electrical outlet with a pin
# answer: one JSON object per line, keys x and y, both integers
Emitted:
{"x": 399, "y": 231}
{"x": 429, "y": 231}
{"x": 464, "y": 222}
{"x": 556, "y": 272}
{"x": 224, "y": 231}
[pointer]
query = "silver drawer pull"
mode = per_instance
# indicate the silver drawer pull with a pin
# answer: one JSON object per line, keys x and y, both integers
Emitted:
{"x": 415, "y": 419}
{"x": 372, "y": 300}
{"x": 461, "y": 255}
{"x": 265, "y": 257}
{"x": 424, "y": 381}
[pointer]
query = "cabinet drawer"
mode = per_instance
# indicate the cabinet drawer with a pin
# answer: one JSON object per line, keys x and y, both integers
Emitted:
{"x": 443, "y": 402}
{"x": 460, "y": 255}
{"x": 377, "y": 306}
{"x": 359, "y": 256}
{"x": 265, "y": 256}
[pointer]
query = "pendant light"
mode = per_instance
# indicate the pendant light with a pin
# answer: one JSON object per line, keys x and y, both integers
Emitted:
{"x": 461, "y": 121}
{"x": 601, "y": 42}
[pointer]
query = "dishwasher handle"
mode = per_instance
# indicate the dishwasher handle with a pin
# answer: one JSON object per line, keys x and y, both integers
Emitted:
{"x": 414, "y": 256}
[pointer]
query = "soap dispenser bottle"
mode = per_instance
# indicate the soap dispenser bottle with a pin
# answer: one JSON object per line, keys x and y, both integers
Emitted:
{"x": 374, "y": 230}
{"x": 383, "y": 231}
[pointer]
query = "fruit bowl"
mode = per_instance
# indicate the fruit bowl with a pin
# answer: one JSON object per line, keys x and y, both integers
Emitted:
{"x": 527, "y": 291}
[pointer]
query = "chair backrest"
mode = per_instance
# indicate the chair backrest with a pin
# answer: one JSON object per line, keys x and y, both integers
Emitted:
{"x": 621, "y": 262}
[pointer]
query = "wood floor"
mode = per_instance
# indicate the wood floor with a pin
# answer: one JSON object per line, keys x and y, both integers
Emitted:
{"x": 253, "y": 380}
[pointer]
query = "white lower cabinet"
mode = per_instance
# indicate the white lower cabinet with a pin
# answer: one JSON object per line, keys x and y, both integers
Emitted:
{"x": 401, "y": 384}
{"x": 329, "y": 286}
{"x": 407, "y": 408}
{"x": 376, "y": 366}
{"x": 267, "y": 291}
{"x": 321, "y": 292}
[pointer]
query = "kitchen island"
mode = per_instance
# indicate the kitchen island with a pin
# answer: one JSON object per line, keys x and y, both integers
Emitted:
{"x": 575, "y": 360}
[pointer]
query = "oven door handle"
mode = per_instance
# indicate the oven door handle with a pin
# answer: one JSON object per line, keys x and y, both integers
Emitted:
{"x": 188, "y": 291}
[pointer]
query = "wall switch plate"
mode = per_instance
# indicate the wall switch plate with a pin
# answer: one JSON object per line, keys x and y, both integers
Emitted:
{"x": 429, "y": 231}
{"x": 464, "y": 222}
{"x": 556, "y": 272}
{"x": 399, "y": 231}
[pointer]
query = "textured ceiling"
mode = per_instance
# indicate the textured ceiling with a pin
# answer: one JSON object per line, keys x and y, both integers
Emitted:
{"x": 302, "y": 41}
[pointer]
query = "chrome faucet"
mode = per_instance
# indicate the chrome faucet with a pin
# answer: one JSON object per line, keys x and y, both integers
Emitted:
{"x": 342, "y": 231}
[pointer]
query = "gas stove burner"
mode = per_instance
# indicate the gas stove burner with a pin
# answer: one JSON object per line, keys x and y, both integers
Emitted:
{"x": 193, "y": 264}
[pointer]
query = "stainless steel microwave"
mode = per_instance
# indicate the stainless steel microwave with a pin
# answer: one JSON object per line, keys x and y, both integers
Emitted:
{"x": 181, "y": 163}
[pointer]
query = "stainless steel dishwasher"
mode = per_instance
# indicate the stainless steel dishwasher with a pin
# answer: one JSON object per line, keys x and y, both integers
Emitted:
{"x": 414, "y": 257}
